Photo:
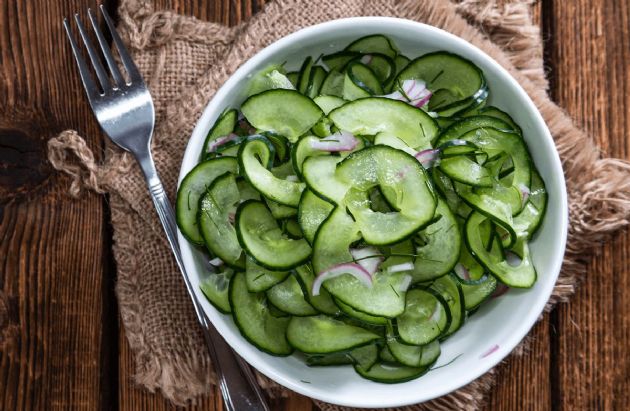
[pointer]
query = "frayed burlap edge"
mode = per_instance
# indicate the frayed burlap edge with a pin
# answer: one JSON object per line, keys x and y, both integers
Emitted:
{"x": 598, "y": 206}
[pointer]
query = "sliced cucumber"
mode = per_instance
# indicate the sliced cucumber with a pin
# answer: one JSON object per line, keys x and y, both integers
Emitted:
{"x": 259, "y": 278}
{"x": 413, "y": 355}
{"x": 370, "y": 116}
{"x": 466, "y": 125}
{"x": 383, "y": 67}
{"x": 529, "y": 219}
{"x": 322, "y": 302}
{"x": 519, "y": 276}
{"x": 333, "y": 84}
{"x": 288, "y": 297}
{"x": 358, "y": 315}
{"x": 477, "y": 291}
{"x": 222, "y": 127}
{"x": 426, "y": 317}
{"x": 192, "y": 188}
{"x": 386, "y": 355}
{"x": 375, "y": 43}
{"x": 454, "y": 81}
{"x": 337, "y": 61}
{"x": 331, "y": 247}
{"x": 437, "y": 246}
{"x": 449, "y": 289}
{"x": 258, "y": 326}
{"x": 312, "y": 211}
{"x": 360, "y": 81}
{"x": 216, "y": 289}
{"x": 259, "y": 234}
{"x": 328, "y": 103}
{"x": 365, "y": 355}
{"x": 390, "y": 373}
{"x": 395, "y": 172}
{"x": 321, "y": 335}
{"x": 252, "y": 155}
{"x": 305, "y": 75}
{"x": 492, "y": 111}
{"x": 318, "y": 75}
{"x": 217, "y": 231}
{"x": 302, "y": 150}
{"x": 319, "y": 175}
{"x": 270, "y": 78}
{"x": 279, "y": 211}
{"x": 285, "y": 112}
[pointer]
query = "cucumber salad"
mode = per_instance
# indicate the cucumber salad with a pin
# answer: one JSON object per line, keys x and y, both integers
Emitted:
{"x": 358, "y": 210}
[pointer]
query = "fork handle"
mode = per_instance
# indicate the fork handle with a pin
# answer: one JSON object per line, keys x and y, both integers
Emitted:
{"x": 236, "y": 380}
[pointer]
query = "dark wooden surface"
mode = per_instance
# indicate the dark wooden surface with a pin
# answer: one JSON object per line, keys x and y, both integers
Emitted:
{"x": 61, "y": 344}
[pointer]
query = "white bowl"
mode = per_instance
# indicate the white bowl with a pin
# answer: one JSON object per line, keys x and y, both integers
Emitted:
{"x": 501, "y": 323}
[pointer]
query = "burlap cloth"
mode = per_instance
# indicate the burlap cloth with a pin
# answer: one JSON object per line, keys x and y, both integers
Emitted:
{"x": 186, "y": 60}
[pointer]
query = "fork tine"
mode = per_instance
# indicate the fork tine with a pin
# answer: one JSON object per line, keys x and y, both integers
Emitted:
{"x": 132, "y": 70}
{"x": 90, "y": 88}
{"x": 107, "y": 52}
{"x": 94, "y": 57}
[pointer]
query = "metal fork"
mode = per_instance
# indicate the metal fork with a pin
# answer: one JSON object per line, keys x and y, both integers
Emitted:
{"x": 124, "y": 109}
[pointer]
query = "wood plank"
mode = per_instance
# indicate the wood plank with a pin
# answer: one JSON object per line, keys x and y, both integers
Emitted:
{"x": 53, "y": 351}
{"x": 592, "y": 83}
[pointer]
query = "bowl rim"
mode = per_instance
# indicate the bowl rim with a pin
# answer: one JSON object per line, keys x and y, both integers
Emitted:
{"x": 191, "y": 158}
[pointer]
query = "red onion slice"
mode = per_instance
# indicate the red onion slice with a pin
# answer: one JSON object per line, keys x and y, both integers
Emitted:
{"x": 404, "y": 284}
{"x": 524, "y": 193}
{"x": 220, "y": 141}
{"x": 423, "y": 99}
{"x": 341, "y": 141}
{"x": 217, "y": 262}
{"x": 461, "y": 271}
{"x": 400, "y": 267}
{"x": 492, "y": 350}
{"x": 429, "y": 157}
{"x": 367, "y": 258}
{"x": 353, "y": 269}
{"x": 413, "y": 92}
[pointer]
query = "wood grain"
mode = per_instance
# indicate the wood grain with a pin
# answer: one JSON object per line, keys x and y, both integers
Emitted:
{"x": 591, "y": 81}
{"x": 54, "y": 352}
{"x": 60, "y": 342}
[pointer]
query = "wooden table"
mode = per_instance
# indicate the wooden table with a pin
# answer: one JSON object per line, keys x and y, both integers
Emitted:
{"x": 61, "y": 342}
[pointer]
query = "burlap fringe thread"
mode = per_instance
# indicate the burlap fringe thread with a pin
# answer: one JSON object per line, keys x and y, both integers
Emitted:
{"x": 599, "y": 188}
